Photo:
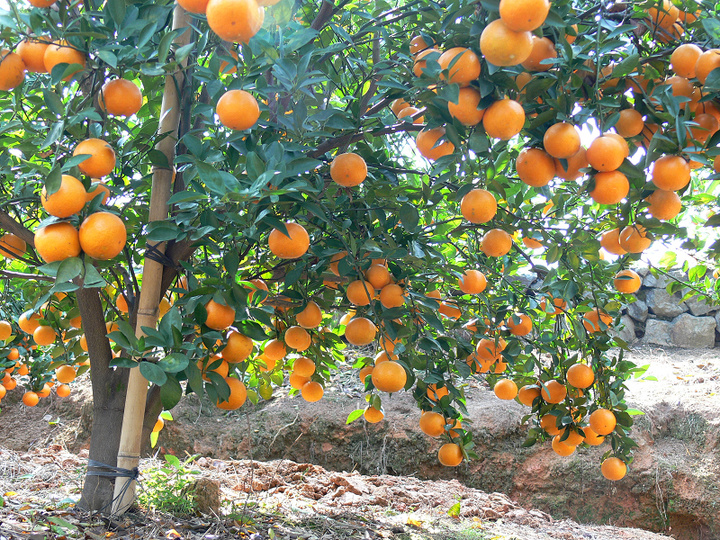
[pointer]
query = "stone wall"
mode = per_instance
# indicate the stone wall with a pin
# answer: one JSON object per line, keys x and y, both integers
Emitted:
{"x": 658, "y": 318}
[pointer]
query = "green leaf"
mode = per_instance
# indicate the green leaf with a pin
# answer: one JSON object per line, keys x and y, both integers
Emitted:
{"x": 93, "y": 279}
{"x": 454, "y": 510}
{"x": 170, "y": 394}
{"x": 357, "y": 413}
{"x": 153, "y": 373}
{"x": 53, "y": 181}
{"x": 69, "y": 269}
{"x": 409, "y": 216}
{"x": 174, "y": 363}
{"x": 116, "y": 8}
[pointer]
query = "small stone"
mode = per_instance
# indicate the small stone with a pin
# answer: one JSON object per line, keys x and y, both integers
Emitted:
{"x": 626, "y": 330}
{"x": 638, "y": 310}
{"x": 657, "y": 332}
{"x": 665, "y": 305}
{"x": 693, "y": 332}
{"x": 698, "y": 306}
{"x": 206, "y": 496}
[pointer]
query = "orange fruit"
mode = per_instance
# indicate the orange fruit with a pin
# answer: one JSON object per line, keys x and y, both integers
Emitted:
{"x": 274, "y": 350}
{"x": 120, "y": 97}
{"x": 237, "y": 109}
{"x": 378, "y": 275}
{"x": 432, "y": 423}
{"x": 505, "y": 389}
{"x": 28, "y": 322}
{"x": 462, "y": 65}
{"x": 417, "y": 44}
{"x": 605, "y": 154}
{"x": 12, "y": 70}
{"x": 194, "y": 6}
{"x": 5, "y": 330}
{"x": 610, "y": 241}
{"x": 496, "y": 243}
{"x": 502, "y": 46}
{"x": 234, "y": 20}
{"x": 664, "y": 15}
{"x": 296, "y": 337}
{"x": 520, "y": 328}
{"x": 421, "y": 60}
{"x": 522, "y": 15}
{"x": 553, "y": 391}
{"x": 549, "y": 423}
{"x": 364, "y": 372}
{"x": 348, "y": 169}
{"x": 237, "y": 347}
{"x": 602, "y": 421}
{"x": 98, "y": 189}
{"x": 478, "y": 206}
{"x": 373, "y": 415}
{"x": 389, "y": 376}
{"x": 411, "y": 114}
{"x": 450, "y": 310}
{"x": 44, "y": 335}
{"x": 630, "y": 123}
{"x": 61, "y": 52}
{"x": 528, "y": 393}
{"x": 63, "y": 390}
{"x": 57, "y": 242}
{"x": 592, "y": 319}
{"x": 571, "y": 171}
{"x": 359, "y": 292}
{"x": 219, "y": 316}
{"x": 69, "y": 199}
{"x": 297, "y": 381}
{"x": 504, "y": 119}
{"x": 580, "y": 376}
{"x": 613, "y": 469}
{"x": 610, "y": 187}
{"x": 427, "y": 144}
{"x": 450, "y": 455}
{"x": 562, "y": 140}
{"x": 706, "y": 127}
{"x": 101, "y": 160}
{"x": 472, "y": 282}
{"x": 706, "y": 62}
{"x": 65, "y": 374}
{"x": 30, "y": 399}
{"x": 392, "y": 296}
{"x": 398, "y": 105}
{"x": 627, "y": 281}
{"x": 360, "y": 331}
{"x": 684, "y": 58}
{"x": 561, "y": 448}
{"x": 535, "y": 167}
{"x": 304, "y": 367}
{"x": 12, "y": 246}
{"x": 542, "y": 49}
{"x": 466, "y": 108}
{"x": 32, "y": 53}
{"x": 237, "y": 397}
{"x": 102, "y": 235}
{"x": 42, "y": 3}
{"x": 312, "y": 391}
{"x": 592, "y": 438}
{"x": 310, "y": 317}
{"x": 292, "y": 245}
{"x": 664, "y": 205}
{"x": 633, "y": 239}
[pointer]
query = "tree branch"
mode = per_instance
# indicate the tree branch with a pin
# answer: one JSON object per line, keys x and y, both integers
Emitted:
{"x": 31, "y": 277}
{"x": 8, "y": 223}
{"x": 350, "y": 138}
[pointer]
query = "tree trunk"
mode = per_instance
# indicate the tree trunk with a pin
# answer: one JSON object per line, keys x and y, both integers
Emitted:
{"x": 109, "y": 386}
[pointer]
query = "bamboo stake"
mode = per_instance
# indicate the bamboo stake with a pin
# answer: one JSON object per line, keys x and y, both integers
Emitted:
{"x": 147, "y": 314}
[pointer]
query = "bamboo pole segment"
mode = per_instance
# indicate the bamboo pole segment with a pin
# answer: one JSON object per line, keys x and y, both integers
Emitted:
{"x": 147, "y": 314}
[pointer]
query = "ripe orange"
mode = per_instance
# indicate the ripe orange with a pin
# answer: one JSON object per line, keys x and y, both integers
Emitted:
{"x": 610, "y": 187}
{"x": 528, "y": 394}
{"x": 238, "y": 109}
{"x": 502, "y": 46}
{"x": 312, "y": 391}
{"x": 411, "y": 114}
{"x": 28, "y": 322}
{"x": 553, "y": 391}
{"x": 42, "y": 3}
{"x": 605, "y": 154}
{"x": 99, "y": 189}
{"x": 580, "y": 376}
{"x": 12, "y": 70}
{"x": 706, "y": 62}
{"x": 238, "y": 395}
{"x": 296, "y": 337}
{"x": 543, "y": 49}
{"x": 57, "y": 242}
{"x": 592, "y": 438}
{"x": 478, "y": 206}
{"x": 44, "y": 335}
{"x": 310, "y": 317}
{"x": 219, "y": 316}
{"x": 592, "y": 319}
{"x": 389, "y": 376}
{"x": 359, "y": 292}
{"x": 392, "y": 296}
{"x": 505, "y": 389}
{"x": 417, "y": 44}
{"x": 562, "y": 140}
{"x": 602, "y": 421}
{"x": 432, "y": 423}
{"x": 292, "y": 245}
{"x": 561, "y": 448}
{"x": 521, "y": 15}
{"x": 610, "y": 241}
{"x": 63, "y": 390}
{"x": 101, "y": 160}
{"x": 684, "y": 58}
{"x": 360, "y": 331}
{"x": 32, "y": 53}
{"x": 69, "y": 199}
{"x": 574, "y": 163}
{"x": 102, "y": 235}
{"x": 450, "y": 310}
{"x": 520, "y": 328}
{"x": 364, "y": 372}
{"x": 496, "y": 243}
{"x": 613, "y": 469}
{"x": 234, "y": 20}
{"x": 633, "y": 239}
{"x": 472, "y": 282}
{"x": 304, "y": 367}
{"x": 535, "y": 167}
{"x": 504, "y": 119}
{"x": 373, "y": 415}
{"x": 378, "y": 275}
{"x": 549, "y": 423}
{"x": 450, "y": 455}
{"x": 627, "y": 281}
{"x": 12, "y": 246}
{"x": 65, "y": 374}
{"x": 421, "y": 60}
{"x": 462, "y": 64}
{"x": 120, "y": 97}
{"x": 427, "y": 144}
{"x": 5, "y": 330}
{"x": 275, "y": 350}
{"x": 706, "y": 127}
{"x": 194, "y": 6}
{"x": 466, "y": 109}
{"x": 30, "y": 399}
{"x": 61, "y": 52}
{"x": 630, "y": 123}
{"x": 348, "y": 169}
{"x": 398, "y": 105}
{"x": 237, "y": 347}
{"x": 664, "y": 205}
